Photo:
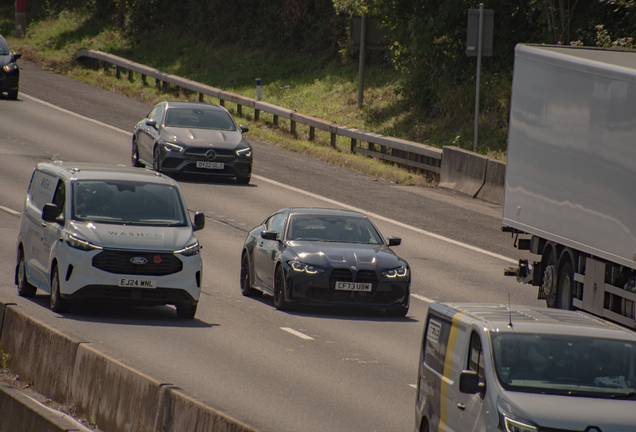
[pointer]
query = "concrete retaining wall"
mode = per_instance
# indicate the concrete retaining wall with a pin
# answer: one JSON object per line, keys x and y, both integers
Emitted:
{"x": 119, "y": 397}
{"x": 473, "y": 174}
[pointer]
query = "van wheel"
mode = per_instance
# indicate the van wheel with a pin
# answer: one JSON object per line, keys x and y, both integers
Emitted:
{"x": 279, "y": 290}
{"x": 246, "y": 282}
{"x": 25, "y": 289}
{"x": 58, "y": 304}
{"x": 549, "y": 285}
{"x": 186, "y": 311}
{"x": 424, "y": 426}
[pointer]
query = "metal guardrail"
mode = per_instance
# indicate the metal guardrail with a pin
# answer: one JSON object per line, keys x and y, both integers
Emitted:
{"x": 395, "y": 150}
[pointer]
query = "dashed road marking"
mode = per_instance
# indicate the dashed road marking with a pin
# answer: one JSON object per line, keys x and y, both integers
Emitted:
{"x": 297, "y": 333}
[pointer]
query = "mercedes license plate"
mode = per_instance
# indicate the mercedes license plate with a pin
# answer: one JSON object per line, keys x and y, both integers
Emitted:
{"x": 210, "y": 165}
{"x": 137, "y": 283}
{"x": 353, "y": 286}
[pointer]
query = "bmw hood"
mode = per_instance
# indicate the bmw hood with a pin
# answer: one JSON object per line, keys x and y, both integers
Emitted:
{"x": 342, "y": 255}
{"x": 571, "y": 413}
{"x": 203, "y": 137}
{"x": 134, "y": 237}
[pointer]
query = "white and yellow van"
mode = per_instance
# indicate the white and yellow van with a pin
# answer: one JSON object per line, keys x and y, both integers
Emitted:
{"x": 487, "y": 367}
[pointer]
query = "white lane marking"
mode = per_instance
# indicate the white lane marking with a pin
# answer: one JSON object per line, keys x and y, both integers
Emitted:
{"x": 413, "y": 385}
{"x": 297, "y": 333}
{"x": 309, "y": 194}
{"x": 116, "y": 129}
{"x": 10, "y": 211}
{"x": 386, "y": 219}
{"x": 424, "y": 299}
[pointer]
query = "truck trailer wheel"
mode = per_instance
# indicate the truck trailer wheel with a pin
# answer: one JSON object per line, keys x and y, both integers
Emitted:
{"x": 565, "y": 287}
{"x": 549, "y": 284}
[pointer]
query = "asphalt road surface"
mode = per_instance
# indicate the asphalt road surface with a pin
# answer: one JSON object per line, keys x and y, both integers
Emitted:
{"x": 310, "y": 370}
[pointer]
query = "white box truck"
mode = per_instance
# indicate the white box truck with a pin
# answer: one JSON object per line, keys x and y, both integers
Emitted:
{"x": 570, "y": 190}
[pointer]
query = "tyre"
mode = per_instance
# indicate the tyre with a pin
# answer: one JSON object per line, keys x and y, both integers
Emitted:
{"x": 565, "y": 287}
{"x": 246, "y": 282}
{"x": 156, "y": 159}
{"x": 244, "y": 180}
{"x": 186, "y": 311}
{"x": 13, "y": 95}
{"x": 134, "y": 156}
{"x": 549, "y": 284}
{"x": 279, "y": 290}
{"x": 58, "y": 304}
{"x": 25, "y": 289}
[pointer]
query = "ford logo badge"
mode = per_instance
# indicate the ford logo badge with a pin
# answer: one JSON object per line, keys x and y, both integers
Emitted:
{"x": 138, "y": 260}
{"x": 210, "y": 154}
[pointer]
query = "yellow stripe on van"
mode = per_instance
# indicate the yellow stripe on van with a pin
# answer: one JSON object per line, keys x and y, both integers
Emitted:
{"x": 448, "y": 361}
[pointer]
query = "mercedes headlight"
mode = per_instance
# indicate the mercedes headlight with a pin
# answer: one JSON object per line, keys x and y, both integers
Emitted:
{"x": 189, "y": 250}
{"x": 9, "y": 67}
{"x": 401, "y": 271}
{"x": 78, "y": 243}
{"x": 246, "y": 152}
{"x": 172, "y": 147}
{"x": 302, "y": 267}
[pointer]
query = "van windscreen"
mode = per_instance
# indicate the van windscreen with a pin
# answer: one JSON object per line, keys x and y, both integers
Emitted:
{"x": 127, "y": 202}
{"x": 565, "y": 364}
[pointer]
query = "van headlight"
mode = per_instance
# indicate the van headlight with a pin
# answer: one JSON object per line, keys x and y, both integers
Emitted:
{"x": 78, "y": 243}
{"x": 401, "y": 271}
{"x": 9, "y": 67}
{"x": 189, "y": 250}
{"x": 512, "y": 425}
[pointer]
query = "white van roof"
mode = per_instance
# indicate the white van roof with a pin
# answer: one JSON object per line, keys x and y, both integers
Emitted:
{"x": 88, "y": 171}
{"x": 533, "y": 319}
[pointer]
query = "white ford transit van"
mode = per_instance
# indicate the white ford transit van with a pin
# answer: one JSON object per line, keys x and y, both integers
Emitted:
{"x": 108, "y": 232}
{"x": 524, "y": 369}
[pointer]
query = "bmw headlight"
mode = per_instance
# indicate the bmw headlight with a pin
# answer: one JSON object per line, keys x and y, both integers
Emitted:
{"x": 401, "y": 271}
{"x": 302, "y": 267}
{"x": 513, "y": 425}
{"x": 189, "y": 250}
{"x": 172, "y": 147}
{"x": 9, "y": 67}
{"x": 246, "y": 152}
{"x": 78, "y": 243}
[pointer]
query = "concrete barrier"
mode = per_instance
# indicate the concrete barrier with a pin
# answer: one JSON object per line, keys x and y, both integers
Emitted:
{"x": 493, "y": 188}
{"x": 18, "y": 412}
{"x": 113, "y": 393}
{"x": 180, "y": 412}
{"x": 462, "y": 170}
{"x": 39, "y": 353}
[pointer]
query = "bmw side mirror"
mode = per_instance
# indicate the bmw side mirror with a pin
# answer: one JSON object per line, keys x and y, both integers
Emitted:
{"x": 269, "y": 235}
{"x": 16, "y": 56}
{"x": 152, "y": 123}
{"x": 244, "y": 129}
{"x": 199, "y": 221}
{"x": 394, "y": 241}
{"x": 50, "y": 214}
{"x": 469, "y": 382}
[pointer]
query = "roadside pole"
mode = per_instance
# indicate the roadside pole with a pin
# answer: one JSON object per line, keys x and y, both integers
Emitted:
{"x": 361, "y": 64}
{"x": 20, "y": 18}
{"x": 480, "y": 38}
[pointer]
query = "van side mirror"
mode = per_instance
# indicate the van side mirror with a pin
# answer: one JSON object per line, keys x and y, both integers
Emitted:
{"x": 269, "y": 235}
{"x": 244, "y": 129}
{"x": 16, "y": 56}
{"x": 199, "y": 221}
{"x": 152, "y": 123}
{"x": 394, "y": 241}
{"x": 469, "y": 382}
{"x": 50, "y": 214}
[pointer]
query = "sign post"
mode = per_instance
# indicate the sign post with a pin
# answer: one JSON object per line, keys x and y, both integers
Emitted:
{"x": 479, "y": 43}
{"x": 20, "y": 18}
